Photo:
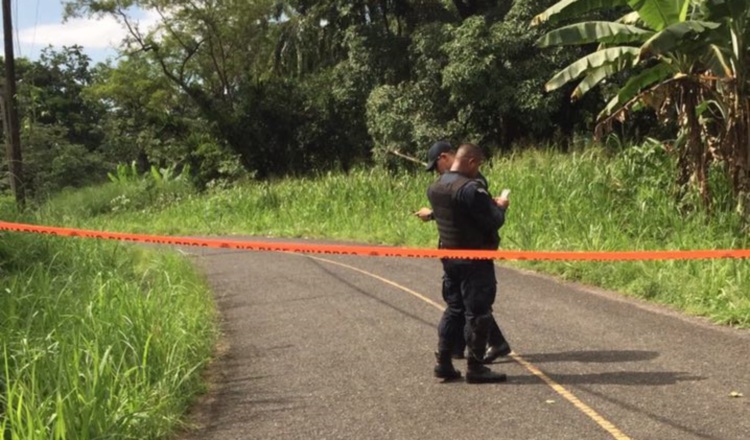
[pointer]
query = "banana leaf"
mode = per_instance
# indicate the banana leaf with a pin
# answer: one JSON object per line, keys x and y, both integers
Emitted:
{"x": 590, "y": 62}
{"x": 593, "y": 78}
{"x": 658, "y": 14}
{"x": 574, "y": 8}
{"x": 670, "y": 39}
{"x": 635, "y": 85}
{"x": 606, "y": 32}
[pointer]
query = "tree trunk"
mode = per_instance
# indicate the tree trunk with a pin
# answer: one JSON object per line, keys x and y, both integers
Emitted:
{"x": 10, "y": 112}
{"x": 741, "y": 158}
{"x": 693, "y": 159}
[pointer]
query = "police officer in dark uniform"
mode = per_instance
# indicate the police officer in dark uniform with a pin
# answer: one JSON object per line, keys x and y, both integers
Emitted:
{"x": 467, "y": 218}
{"x": 440, "y": 158}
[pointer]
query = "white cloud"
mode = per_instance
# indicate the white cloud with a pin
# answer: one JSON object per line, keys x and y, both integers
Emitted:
{"x": 90, "y": 33}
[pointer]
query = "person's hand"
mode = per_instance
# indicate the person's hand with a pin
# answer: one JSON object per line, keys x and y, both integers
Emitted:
{"x": 424, "y": 214}
{"x": 502, "y": 202}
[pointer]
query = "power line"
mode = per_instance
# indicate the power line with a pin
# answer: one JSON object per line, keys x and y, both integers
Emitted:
{"x": 16, "y": 21}
{"x": 36, "y": 24}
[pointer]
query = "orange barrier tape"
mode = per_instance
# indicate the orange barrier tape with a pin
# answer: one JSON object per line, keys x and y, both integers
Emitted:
{"x": 380, "y": 251}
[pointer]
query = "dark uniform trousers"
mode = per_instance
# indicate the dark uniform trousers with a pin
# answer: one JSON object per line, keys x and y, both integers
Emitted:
{"x": 469, "y": 289}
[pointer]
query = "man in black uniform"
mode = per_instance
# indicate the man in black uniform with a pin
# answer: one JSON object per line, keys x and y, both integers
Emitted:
{"x": 467, "y": 218}
{"x": 440, "y": 158}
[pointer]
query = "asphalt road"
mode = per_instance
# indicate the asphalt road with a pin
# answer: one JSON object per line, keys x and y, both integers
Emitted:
{"x": 327, "y": 347}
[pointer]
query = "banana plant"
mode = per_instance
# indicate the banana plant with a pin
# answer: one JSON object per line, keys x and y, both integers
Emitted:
{"x": 623, "y": 44}
{"x": 731, "y": 53}
{"x": 683, "y": 52}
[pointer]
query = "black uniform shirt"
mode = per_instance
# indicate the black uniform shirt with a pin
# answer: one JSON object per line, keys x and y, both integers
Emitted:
{"x": 475, "y": 201}
{"x": 488, "y": 216}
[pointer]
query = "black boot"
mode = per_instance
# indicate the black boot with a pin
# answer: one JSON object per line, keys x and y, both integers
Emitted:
{"x": 444, "y": 367}
{"x": 497, "y": 344}
{"x": 458, "y": 355}
{"x": 478, "y": 373}
{"x": 496, "y": 351}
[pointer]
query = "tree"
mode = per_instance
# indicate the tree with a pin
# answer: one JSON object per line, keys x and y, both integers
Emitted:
{"x": 209, "y": 50}
{"x": 679, "y": 55}
{"x": 60, "y": 126}
{"x": 246, "y": 67}
{"x": 477, "y": 79}
{"x": 54, "y": 95}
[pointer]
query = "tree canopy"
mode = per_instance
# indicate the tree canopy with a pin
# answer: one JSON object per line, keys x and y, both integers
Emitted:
{"x": 269, "y": 88}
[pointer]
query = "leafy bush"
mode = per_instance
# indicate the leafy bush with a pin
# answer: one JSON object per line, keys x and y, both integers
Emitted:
{"x": 52, "y": 163}
{"x": 128, "y": 190}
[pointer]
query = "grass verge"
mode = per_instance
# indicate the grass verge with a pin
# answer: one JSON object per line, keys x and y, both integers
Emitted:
{"x": 591, "y": 200}
{"x": 99, "y": 339}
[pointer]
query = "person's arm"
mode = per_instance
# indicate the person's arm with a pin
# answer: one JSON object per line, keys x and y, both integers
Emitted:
{"x": 425, "y": 214}
{"x": 487, "y": 213}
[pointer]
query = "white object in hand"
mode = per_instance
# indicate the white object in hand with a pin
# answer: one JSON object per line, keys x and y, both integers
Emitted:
{"x": 504, "y": 194}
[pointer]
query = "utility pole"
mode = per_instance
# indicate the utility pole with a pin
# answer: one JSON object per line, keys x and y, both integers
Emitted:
{"x": 10, "y": 113}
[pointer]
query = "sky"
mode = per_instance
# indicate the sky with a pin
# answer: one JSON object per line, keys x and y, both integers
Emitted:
{"x": 39, "y": 23}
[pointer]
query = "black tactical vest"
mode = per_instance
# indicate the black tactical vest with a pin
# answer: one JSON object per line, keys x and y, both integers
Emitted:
{"x": 456, "y": 227}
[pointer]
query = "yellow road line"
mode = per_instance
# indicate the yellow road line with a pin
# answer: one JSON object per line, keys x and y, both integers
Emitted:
{"x": 379, "y": 278}
{"x": 559, "y": 389}
{"x": 570, "y": 397}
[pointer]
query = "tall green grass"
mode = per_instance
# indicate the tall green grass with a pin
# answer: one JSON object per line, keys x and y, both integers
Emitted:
{"x": 588, "y": 200}
{"x": 98, "y": 339}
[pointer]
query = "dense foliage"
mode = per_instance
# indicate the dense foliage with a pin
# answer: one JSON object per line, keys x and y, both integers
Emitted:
{"x": 687, "y": 60}
{"x": 268, "y": 88}
{"x": 271, "y": 88}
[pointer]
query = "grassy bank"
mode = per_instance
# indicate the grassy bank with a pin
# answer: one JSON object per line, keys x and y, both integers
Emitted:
{"x": 98, "y": 339}
{"x": 583, "y": 201}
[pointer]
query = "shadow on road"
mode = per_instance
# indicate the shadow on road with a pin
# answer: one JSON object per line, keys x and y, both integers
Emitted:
{"x": 634, "y": 378}
{"x": 595, "y": 356}
{"x": 644, "y": 411}
{"x": 371, "y": 296}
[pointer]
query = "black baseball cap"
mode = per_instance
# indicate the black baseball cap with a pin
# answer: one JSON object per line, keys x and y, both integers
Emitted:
{"x": 435, "y": 151}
